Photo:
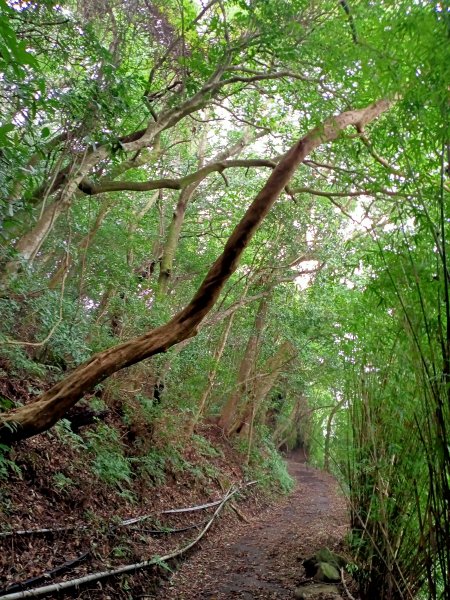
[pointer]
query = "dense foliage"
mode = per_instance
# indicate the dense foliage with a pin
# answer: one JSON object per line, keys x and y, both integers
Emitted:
{"x": 134, "y": 136}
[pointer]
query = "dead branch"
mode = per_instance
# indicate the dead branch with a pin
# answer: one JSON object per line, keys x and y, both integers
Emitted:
{"x": 350, "y": 597}
{"x": 124, "y": 523}
{"x": 74, "y": 583}
{"x": 18, "y": 587}
{"x": 239, "y": 513}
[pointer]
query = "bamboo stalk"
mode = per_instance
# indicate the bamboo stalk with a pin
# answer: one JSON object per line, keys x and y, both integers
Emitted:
{"x": 124, "y": 523}
{"x": 57, "y": 587}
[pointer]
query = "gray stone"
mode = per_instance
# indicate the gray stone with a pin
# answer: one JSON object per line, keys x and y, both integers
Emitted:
{"x": 327, "y": 572}
{"x": 311, "y": 591}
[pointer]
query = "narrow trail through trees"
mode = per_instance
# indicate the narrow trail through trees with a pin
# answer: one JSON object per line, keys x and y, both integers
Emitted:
{"x": 264, "y": 559}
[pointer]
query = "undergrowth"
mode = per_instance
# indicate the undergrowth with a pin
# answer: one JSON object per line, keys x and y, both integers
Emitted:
{"x": 266, "y": 466}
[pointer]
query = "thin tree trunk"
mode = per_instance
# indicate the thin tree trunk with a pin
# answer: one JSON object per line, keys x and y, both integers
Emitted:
{"x": 83, "y": 245}
{"x": 185, "y": 197}
{"x": 51, "y": 406}
{"x": 137, "y": 217}
{"x": 229, "y": 410}
{"x": 173, "y": 236}
{"x": 326, "y": 452}
{"x": 211, "y": 376}
{"x": 262, "y": 387}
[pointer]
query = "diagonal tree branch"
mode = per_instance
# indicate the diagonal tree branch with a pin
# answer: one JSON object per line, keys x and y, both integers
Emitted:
{"x": 42, "y": 414}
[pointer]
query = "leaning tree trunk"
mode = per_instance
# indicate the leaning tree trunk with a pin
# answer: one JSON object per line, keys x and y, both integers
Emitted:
{"x": 42, "y": 414}
{"x": 262, "y": 386}
{"x": 229, "y": 410}
{"x": 29, "y": 244}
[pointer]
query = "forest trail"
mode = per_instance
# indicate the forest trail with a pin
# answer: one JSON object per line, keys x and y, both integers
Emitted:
{"x": 264, "y": 558}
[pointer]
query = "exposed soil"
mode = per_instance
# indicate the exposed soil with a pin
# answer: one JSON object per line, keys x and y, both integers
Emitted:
{"x": 263, "y": 558}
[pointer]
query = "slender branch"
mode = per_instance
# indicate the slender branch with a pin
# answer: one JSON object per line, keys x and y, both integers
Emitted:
{"x": 264, "y": 77}
{"x": 308, "y": 190}
{"x": 172, "y": 184}
{"x": 365, "y": 140}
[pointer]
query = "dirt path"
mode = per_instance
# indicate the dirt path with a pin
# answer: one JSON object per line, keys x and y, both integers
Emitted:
{"x": 263, "y": 559}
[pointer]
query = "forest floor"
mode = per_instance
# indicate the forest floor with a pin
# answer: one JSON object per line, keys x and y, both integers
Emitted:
{"x": 262, "y": 558}
{"x": 253, "y": 550}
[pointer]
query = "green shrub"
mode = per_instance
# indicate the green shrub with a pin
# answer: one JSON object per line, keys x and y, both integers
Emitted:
{"x": 7, "y": 465}
{"x": 112, "y": 468}
{"x": 152, "y": 465}
{"x": 109, "y": 463}
{"x": 205, "y": 447}
{"x": 62, "y": 482}
{"x": 266, "y": 465}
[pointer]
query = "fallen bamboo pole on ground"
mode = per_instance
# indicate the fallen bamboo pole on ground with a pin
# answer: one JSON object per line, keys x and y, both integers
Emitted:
{"x": 57, "y": 587}
{"x": 124, "y": 523}
{"x": 23, "y": 585}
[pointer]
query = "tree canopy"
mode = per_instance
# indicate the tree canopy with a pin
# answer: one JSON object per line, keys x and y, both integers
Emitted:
{"x": 255, "y": 194}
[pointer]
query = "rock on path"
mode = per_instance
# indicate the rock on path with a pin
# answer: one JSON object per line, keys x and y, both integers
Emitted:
{"x": 264, "y": 558}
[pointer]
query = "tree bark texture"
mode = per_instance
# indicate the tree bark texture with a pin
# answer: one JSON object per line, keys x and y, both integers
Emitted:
{"x": 229, "y": 411}
{"x": 262, "y": 386}
{"x": 51, "y": 406}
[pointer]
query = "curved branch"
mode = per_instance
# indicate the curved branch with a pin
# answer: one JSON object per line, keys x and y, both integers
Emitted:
{"x": 34, "y": 418}
{"x": 172, "y": 184}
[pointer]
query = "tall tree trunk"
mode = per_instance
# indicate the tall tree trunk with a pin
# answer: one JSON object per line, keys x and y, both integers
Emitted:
{"x": 228, "y": 414}
{"x": 51, "y": 406}
{"x": 262, "y": 386}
